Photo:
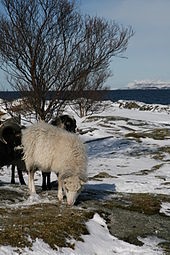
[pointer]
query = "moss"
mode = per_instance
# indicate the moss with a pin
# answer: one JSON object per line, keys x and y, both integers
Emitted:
{"x": 146, "y": 203}
{"x": 165, "y": 149}
{"x": 161, "y": 152}
{"x": 156, "y": 167}
{"x": 52, "y": 223}
{"x": 166, "y": 247}
{"x": 135, "y": 135}
{"x": 105, "y": 118}
{"x": 131, "y": 105}
{"x": 157, "y": 134}
{"x": 101, "y": 175}
{"x": 57, "y": 225}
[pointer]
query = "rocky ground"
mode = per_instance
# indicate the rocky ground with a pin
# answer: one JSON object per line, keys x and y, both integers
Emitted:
{"x": 128, "y": 217}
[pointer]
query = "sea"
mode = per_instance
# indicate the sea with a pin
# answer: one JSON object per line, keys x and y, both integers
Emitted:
{"x": 149, "y": 96}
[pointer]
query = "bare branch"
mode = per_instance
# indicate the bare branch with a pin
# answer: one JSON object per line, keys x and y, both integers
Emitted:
{"x": 49, "y": 46}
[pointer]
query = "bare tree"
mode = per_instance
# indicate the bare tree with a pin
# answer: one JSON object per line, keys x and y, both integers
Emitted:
{"x": 47, "y": 46}
{"x": 90, "y": 92}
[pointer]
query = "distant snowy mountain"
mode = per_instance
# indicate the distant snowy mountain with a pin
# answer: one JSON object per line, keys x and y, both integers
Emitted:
{"x": 148, "y": 84}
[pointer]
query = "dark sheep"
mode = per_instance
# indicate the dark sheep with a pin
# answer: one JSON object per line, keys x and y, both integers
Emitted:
{"x": 10, "y": 138}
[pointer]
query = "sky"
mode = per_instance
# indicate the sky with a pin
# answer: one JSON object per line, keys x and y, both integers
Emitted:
{"x": 148, "y": 53}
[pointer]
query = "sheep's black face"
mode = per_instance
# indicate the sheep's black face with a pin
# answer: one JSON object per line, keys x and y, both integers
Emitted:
{"x": 70, "y": 126}
{"x": 65, "y": 121}
{"x": 11, "y": 136}
{"x": 69, "y": 123}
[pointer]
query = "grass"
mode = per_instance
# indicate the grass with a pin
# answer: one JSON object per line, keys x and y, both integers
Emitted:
{"x": 101, "y": 175}
{"x": 160, "y": 153}
{"x": 105, "y": 118}
{"x": 146, "y": 203}
{"x": 156, "y": 134}
{"x": 58, "y": 225}
{"x": 52, "y": 223}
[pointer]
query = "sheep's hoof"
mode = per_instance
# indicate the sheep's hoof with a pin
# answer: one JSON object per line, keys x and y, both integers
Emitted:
{"x": 45, "y": 188}
{"x": 60, "y": 198}
{"x": 61, "y": 201}
{"x": 33, "y": 198}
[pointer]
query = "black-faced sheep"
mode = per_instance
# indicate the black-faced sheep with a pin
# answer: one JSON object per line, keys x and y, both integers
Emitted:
{"x": 10, "y": 138}
{"x": 68, "y": 123}
{"x": 65, "y": 121}
{"x": 49, "y": 148}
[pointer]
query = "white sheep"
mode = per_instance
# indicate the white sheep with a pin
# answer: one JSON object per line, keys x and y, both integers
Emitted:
{"x": 49, "y": 148}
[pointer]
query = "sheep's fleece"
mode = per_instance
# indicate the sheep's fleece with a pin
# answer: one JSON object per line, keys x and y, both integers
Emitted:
{"x": 50, "y": 148}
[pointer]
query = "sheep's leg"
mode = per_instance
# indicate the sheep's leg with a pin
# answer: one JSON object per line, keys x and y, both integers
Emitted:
{"x": 46, "y": 181}
{"x": 31, "y": 184}
{"x": 49, "y": 181}
{"x": 21, "y": 178}
{"x": 20, "y": 175}
{"x": 60, "y": 189}
{"x": 13, "y": 174}
{"x": 20, "y": 167}
{"x": 44, "y": 185}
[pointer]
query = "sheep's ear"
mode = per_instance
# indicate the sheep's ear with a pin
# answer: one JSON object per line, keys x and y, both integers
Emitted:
{"x": 83, "y": 179}
{"x": 66, "y": 175}
{"x": 82, "y": 182}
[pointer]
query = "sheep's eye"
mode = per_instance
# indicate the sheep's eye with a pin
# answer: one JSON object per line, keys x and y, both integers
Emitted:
{"x": 66, "y": 189}
{"x": 65, "y": 185}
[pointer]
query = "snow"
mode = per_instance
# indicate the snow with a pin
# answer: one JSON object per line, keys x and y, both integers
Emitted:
{"x": 98, "y": 242}
{"x": 120, "y": 158}
{"x": 165, "y": 208}
{"x": 149, "y": 84}
{"x": 101, "y": 242}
